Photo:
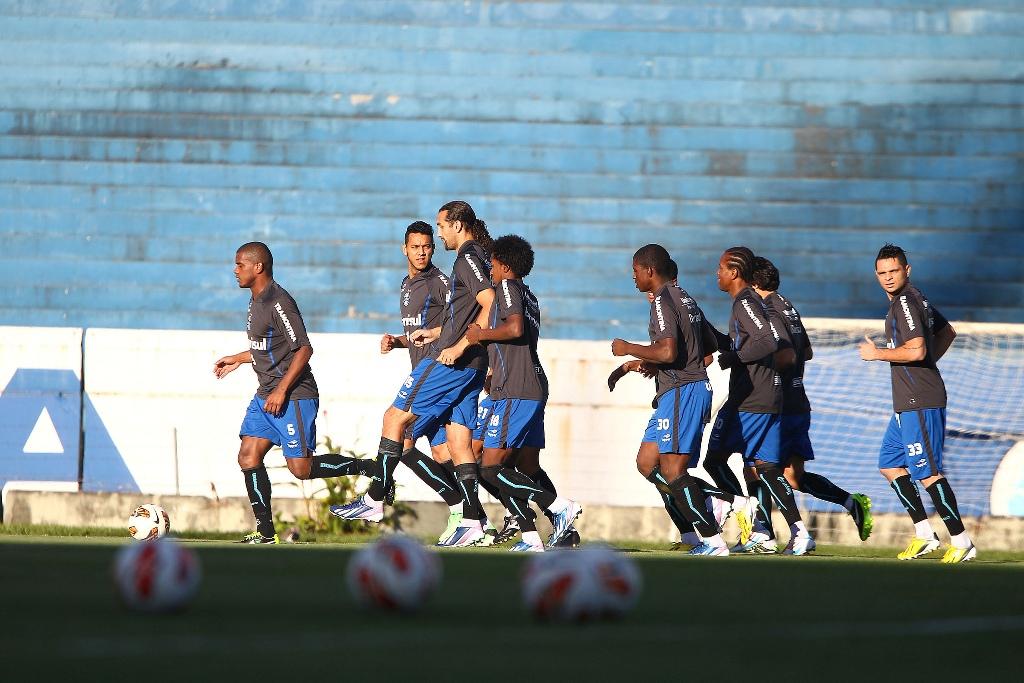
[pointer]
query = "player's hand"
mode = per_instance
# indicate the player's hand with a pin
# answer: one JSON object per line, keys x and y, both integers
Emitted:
{"x": 387, "y": 343}
{"x": 728, "y": 359}
{"x": 868, "y": 350}
{"x": 473, "y": 333}
{"x": 449, "y": 355}
{"x": 423, "y": 336}
{"x": 275, "y": 402}
{"x": 646, "y": 369}
{"x": 224, "y": 366}
{"x": 619, "y": 347}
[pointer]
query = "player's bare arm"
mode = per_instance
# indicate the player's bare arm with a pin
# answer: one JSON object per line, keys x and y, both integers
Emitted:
{"x": 661, "y": 351}
{"x": 511, "y": 329}
{"x": 279, "y": 396}
{"x": 911, "y": 352}
{"x": 390, "y": 342}
{"x": 484, "y": 298}
{"x": 942, "y": 340}
{"x": 427, "y": 335}
{"x": 228, "y": 364}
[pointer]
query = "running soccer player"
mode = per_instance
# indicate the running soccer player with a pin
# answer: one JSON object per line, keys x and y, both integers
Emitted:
{"x": 719, "y": 503}
{"x": 421, "y": 302}
{"x": 918, "y": 336}
{"x": 680, "y": 341}
{"x": 519, "y": 391}
{"x": 444, "y": 387}
{"x": 796, "y": 409}
{"x": 283, "y": 412}
{"x": 749, "y": 423}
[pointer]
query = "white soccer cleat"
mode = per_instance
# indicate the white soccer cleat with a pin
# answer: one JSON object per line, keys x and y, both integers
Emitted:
{"x": 800, "y": 545}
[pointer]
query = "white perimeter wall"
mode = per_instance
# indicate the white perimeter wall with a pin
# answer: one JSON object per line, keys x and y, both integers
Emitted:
{"x": 156, "y": 395}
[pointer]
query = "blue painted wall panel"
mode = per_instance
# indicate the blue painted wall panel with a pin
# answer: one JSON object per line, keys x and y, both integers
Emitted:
{"x": 141, "y": 142}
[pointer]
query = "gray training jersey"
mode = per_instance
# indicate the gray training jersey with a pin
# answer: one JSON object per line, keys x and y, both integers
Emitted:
{"x": 917, "y": 385}
{"x": 515, "y": 365}
{"x": 471, "y": 274}
{"x": 675, "y": 315}
{"x": 754, "y": 386}
{"x": 793, "y": 335}
{"x": 422, "y": 301}
{"x": 276, "y": 332}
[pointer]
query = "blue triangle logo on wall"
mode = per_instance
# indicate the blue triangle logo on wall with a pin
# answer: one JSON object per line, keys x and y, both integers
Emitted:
{"x": 40, "y": 436}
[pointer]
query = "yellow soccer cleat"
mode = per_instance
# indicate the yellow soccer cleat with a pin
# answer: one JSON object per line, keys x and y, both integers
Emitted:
{"x": 680, "y": 546}
{"x": 919, "y": 547}
{"x": 956, "y": 555}
{"x": 745, "y": 513}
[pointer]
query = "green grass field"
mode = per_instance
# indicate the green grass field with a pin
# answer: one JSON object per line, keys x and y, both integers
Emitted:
{"x": 845, "y": 613}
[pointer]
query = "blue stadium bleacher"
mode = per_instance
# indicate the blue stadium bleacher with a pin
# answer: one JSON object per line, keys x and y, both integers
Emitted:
{"x": 140, "y": 143}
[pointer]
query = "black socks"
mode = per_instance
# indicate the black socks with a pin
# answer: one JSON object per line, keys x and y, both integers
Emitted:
{"x": 468, "y": 476}
{"x": 945, "y": 504}
{"x": 692, "y": 505}
{"x": 338, "y": 465}
{"x": 388, "y": 454}
{"x": 257, "y": 485}
{"x": 823, "y": 489}
{"x": 781, "y": 492}
{"x": 433, "y": 475}
{"x": 906, "y": 491}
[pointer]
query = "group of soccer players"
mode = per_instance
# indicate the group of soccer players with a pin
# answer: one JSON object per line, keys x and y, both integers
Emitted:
{"x": 477, "y": 330}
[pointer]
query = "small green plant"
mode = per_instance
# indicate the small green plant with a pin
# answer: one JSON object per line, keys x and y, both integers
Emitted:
{"x": 320, "y": 494}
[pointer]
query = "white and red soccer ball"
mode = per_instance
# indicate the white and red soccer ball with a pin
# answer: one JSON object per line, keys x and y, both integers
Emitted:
{"x": 161, "y": 576}
{"x": 149, "y": 522}
{"x": 592, "y": 583}
{"x": 394, "y": 573}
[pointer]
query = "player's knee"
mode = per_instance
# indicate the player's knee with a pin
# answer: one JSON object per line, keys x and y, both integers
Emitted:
{"x": 299, "y": 467}
{"x": 793, "y": 477}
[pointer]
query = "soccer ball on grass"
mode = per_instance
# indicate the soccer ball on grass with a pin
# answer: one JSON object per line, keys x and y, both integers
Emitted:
{"x": 394, "y": 573}
{"x": 583, "y": 585}
{"x": 149, "y": 522}
{"x": 161, "y": 576}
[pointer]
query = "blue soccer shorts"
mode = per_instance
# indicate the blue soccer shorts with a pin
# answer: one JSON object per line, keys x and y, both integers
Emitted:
{"x": 294, "y": 431}
{"x": 515, "y": 423}
{"x": 438, "y": 394}
{"x": 438, "y": 437}
{"x": 677, "y": 424}
{"x": 483, "y": 416}
{"x": 914, "y": 440}
{"x": 758, "y": 436}
{"x": 796, "y": 438}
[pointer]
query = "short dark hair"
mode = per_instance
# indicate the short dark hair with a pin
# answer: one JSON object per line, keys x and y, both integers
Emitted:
{"x": 657, "y": 258}
{"x": 461, "y": 211}
{"x": 419, "y": 228}
{"x": 740, "y": 259}
{"x": 765, "y": 275}
{"x": 890, "y": 250}
{"x": 514, "y": 252}
{"x": 259, "y": 253}
{"x": 673, "y": 269}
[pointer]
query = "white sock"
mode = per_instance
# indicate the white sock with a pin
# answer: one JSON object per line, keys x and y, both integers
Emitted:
{"x": 961, "y": 540}
{"x": 531, "y": 537}
{"x": 849, "y": 504}
{"x": 559, "y": 505}
{"x": 690, "y": 538}
{"x": 455, "y": 508}
{"x": 798, "y": 529}
{"x": 715, "y": 540}
{"x": 370, "y": 500}
{"x": 472, "y": 524}
{"x": 760, "y": 536}
{"x": 923, "y": 530}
